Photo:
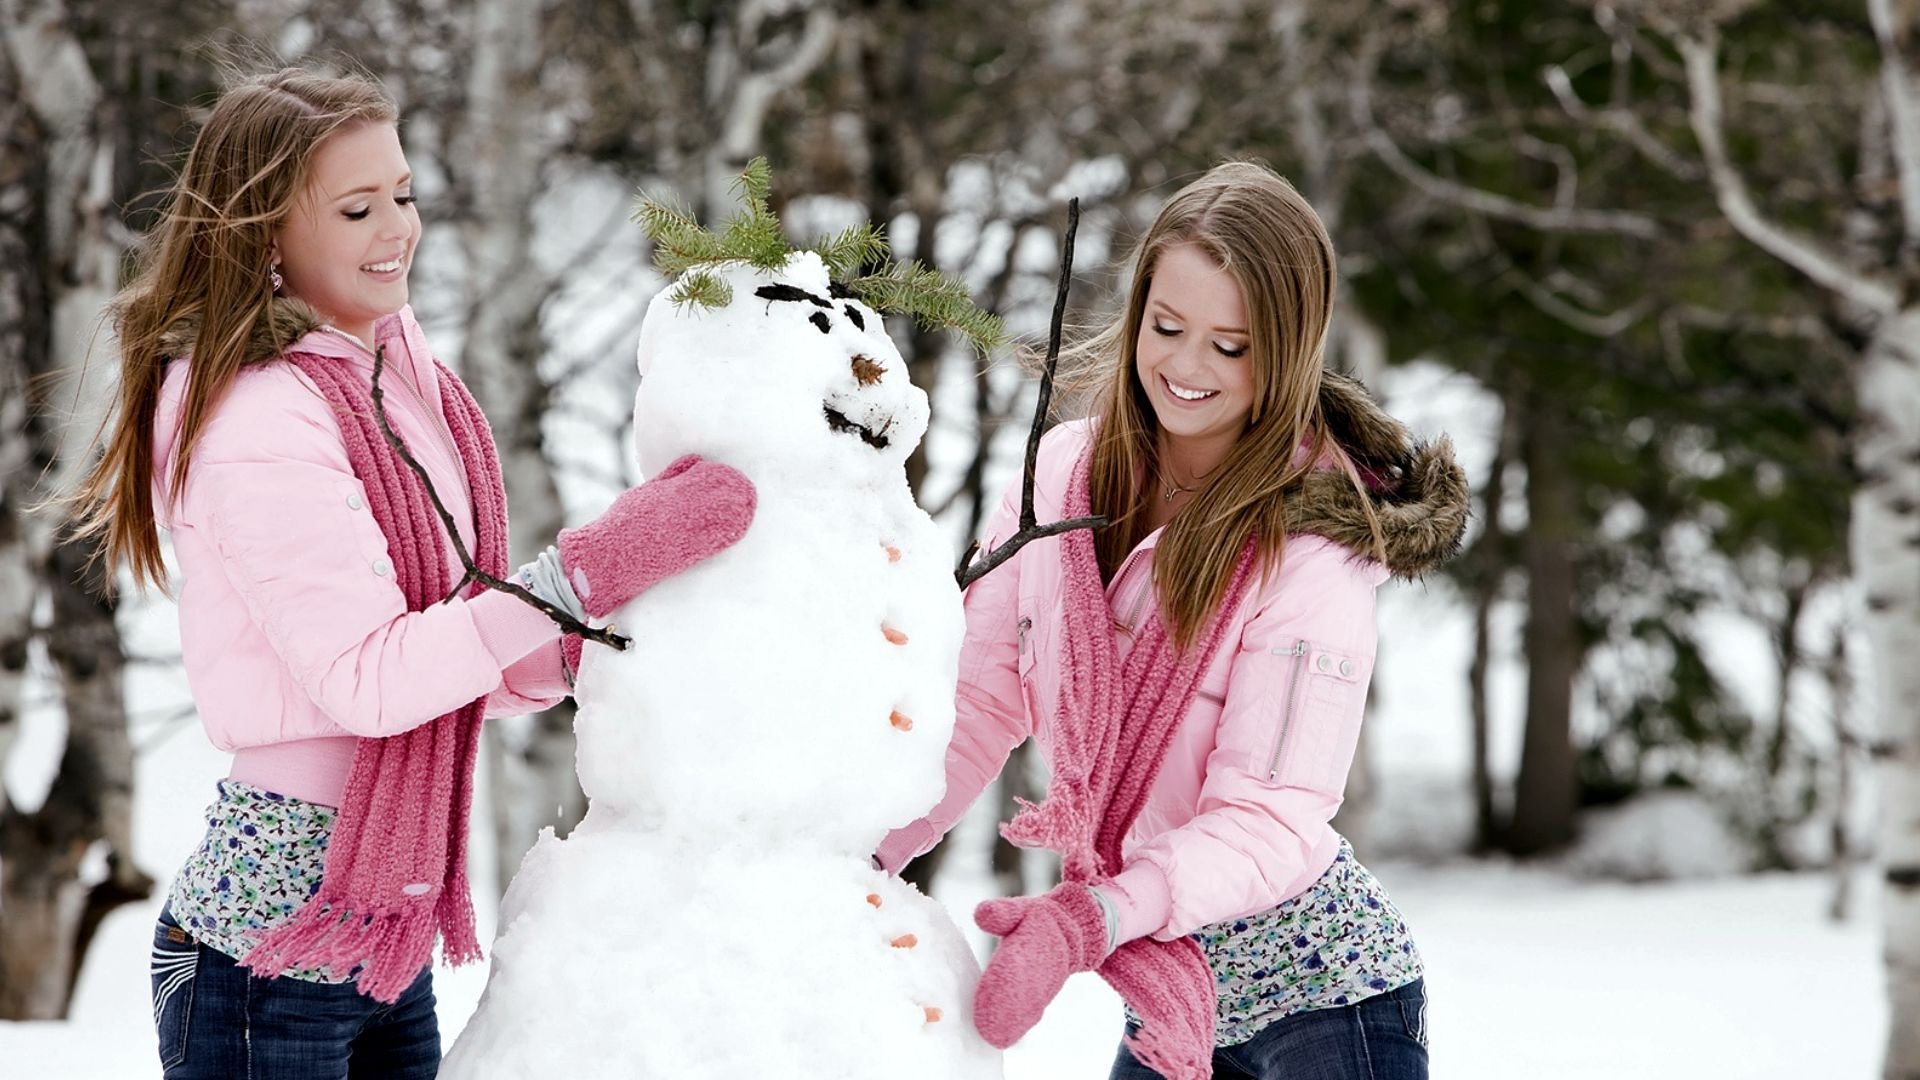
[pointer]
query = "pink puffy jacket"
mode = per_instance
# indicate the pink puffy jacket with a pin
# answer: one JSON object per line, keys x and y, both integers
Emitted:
{"x": 1237, "y": 820}
{"x": 295, "y": 638}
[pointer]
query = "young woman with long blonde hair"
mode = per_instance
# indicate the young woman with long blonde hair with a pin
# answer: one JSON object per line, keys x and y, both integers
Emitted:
{"x": 1196, "y": 672}
{"x": 326, "y": 638}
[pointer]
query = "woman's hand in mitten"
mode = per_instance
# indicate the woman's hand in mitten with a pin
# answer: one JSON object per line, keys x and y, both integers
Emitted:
{"x": 1044, "y": 940}
{"x": 692, "y": 510}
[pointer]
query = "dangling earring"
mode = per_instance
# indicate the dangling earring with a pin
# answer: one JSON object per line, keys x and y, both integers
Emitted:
{"x": 274, "y": 278}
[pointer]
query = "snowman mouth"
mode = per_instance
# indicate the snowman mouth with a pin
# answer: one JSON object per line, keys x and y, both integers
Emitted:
{"x": 838, "y": 421}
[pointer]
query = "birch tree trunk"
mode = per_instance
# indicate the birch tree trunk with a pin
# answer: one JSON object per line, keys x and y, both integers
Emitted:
{"x": 502, "y": 147}
{"x": 66, "y": 219}
{"x": 1886, "y": 555}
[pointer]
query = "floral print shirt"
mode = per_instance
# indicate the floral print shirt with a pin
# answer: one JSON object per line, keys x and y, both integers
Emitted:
{"x": 260, "y": 862}
{"x": 1338, "y": 943}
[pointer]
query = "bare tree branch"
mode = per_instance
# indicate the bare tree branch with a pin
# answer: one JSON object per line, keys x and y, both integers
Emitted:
{"x": 1623, "y": 122}
{"x": 560, "y": 618}
{"x": 969, "y": 571}
{"x": 1559, "y": 219}
{"x": 1701, "y": 56}
{"x": 1587, "y": 322}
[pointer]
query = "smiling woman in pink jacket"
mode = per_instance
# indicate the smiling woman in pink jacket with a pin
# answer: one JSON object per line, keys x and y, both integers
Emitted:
{"x": 1196, "y": 673}
{"x": 330, "y": 637}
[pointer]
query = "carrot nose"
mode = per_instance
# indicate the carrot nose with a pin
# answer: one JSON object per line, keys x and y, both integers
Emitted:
{"x": 866, "y": 372}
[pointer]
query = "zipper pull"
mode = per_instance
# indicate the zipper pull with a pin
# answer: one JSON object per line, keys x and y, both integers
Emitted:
{"x": 1024, "y": 625}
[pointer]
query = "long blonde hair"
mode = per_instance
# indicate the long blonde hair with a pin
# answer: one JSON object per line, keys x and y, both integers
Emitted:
{"x": 205, "y": 265}
{"x": 1265, "y": 234}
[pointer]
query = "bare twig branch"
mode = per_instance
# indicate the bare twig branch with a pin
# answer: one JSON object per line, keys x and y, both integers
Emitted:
{"x": 1623, "y": 122}
{"x": 1554, "y": 305}
{"x": 560, "y": 618}
{"x": 1030, "y": 529}
{"x": 1730, "y": 191}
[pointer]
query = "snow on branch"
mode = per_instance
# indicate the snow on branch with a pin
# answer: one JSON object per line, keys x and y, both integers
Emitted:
{"x": 969, "y": 571}
{"x": 1701, "y": 56}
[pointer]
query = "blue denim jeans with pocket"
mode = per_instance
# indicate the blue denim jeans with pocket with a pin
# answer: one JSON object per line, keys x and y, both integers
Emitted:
{"x": 218, "y": 1021}
{"x": 1383, "y": 1037}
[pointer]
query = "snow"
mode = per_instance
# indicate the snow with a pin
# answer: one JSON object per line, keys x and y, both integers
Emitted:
{"x": 1659, "y": 836}
{"x": 1531, "y": 974}
{"x": 783, "y": 705}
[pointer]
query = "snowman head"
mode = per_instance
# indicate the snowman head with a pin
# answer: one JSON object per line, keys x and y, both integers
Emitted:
{"x": 791, "y": 374}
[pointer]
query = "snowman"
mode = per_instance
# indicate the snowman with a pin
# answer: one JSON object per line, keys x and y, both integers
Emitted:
{"x": 781, "y": 707}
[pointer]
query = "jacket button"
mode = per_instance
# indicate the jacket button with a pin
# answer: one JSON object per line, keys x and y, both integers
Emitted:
{"x": 1346, "y": 668}
{"x": 354, "y": 502}
{"x": 1325, "y": 662}
{"x": 382, "y": 567}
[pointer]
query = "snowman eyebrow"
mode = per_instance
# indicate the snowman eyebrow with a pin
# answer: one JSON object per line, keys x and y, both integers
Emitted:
{"x": 789, "y": 292}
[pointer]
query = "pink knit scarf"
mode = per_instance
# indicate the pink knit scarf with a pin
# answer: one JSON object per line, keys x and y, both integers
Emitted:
{"x": 1110, "y": 735}
{"x": 396, "y": 868}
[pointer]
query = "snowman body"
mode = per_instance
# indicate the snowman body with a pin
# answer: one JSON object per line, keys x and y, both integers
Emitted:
{"x": 782, "y": 707}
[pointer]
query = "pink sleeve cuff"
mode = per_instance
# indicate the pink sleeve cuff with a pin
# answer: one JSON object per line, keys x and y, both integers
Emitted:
{"x": 904, "y": 844}
{"x": 1141, "y": 899}
{"x": 509, "y": 627}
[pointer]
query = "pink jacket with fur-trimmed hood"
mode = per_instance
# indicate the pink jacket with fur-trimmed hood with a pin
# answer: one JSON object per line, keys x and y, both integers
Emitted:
{"x": 1238, "y": 819}
{"x": 295, "y": 637}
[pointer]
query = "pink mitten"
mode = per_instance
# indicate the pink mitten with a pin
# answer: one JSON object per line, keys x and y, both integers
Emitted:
{"x": 1046, "y": 939}
{"x": 691, "y": 510}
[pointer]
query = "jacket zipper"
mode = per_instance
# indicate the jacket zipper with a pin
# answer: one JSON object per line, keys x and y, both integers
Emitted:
{"x": 1293, "y": 696}
{"x": 446, "y": 440}
{"x": 1131, "y": 623}
{"x": 1021, "y": 629}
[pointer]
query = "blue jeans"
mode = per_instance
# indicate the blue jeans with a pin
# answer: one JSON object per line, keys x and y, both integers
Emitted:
{"x": 217, "y": 1021}
{"x": 1381, "y": 1038}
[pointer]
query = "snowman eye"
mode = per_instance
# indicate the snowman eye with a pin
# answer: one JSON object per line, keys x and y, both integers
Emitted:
{"x": 855, "y": 318}
{"x": 825, "y": 324}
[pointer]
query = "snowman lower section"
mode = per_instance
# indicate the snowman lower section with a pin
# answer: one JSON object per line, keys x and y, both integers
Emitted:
{"x": 631, "y": 953}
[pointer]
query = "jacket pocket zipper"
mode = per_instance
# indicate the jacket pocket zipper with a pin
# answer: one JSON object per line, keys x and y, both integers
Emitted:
{"x": 1294, "y": 680}
{"x": 1021, "y": 629}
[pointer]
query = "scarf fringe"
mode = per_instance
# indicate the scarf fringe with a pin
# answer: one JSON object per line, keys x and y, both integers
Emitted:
{"x": 387, "y": 945}
{"x": 1155, "y": 1053}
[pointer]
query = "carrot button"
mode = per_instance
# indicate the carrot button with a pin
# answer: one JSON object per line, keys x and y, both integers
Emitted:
{"x": 900, "y": 721}
{"x": 893, "y": 635}
{"x": 904, "y": 941}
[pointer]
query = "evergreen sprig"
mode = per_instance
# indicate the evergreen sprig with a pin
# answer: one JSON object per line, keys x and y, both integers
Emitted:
{"x": 851, "y": 252}
{"x": 933, "y": 299}
{"x": 685, "y": 249}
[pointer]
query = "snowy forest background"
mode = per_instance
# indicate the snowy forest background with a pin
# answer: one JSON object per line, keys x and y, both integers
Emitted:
{"x": 1641, "y": 766}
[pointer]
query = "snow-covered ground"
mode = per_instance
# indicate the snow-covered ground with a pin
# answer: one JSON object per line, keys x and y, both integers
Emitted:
{"x": 1533, "y": 973}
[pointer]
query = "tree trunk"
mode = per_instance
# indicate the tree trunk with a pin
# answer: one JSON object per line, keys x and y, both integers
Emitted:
{"x": 504, "y": 147}
{"x": 62, "y": 219}
{"x": 1489, "y": 567}
{"x": 1839, "y": 673}
{"x": 1545, "y": 793}
{"x": 1886, "y": 556}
